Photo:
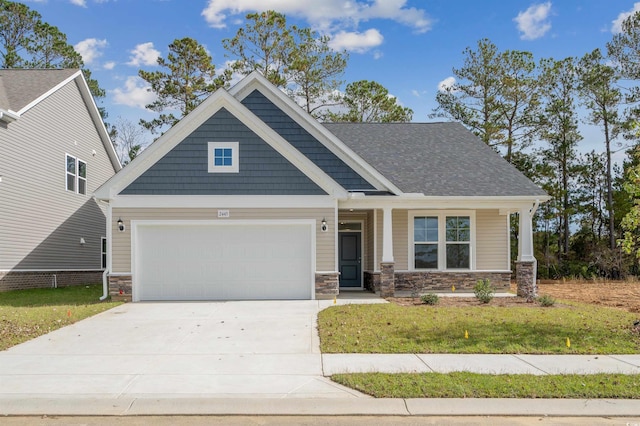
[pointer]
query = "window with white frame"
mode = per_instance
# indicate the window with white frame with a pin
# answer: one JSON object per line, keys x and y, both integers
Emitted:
{"x": 76, "y": 175}
{"x": 442, "y": 240}
{"x": 223, "y": 157}
{"x": 103, "y": 252}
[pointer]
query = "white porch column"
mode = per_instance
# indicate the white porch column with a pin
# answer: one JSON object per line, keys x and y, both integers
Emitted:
{"x": 525, "y": 236}
{"x": 387, "y": 235}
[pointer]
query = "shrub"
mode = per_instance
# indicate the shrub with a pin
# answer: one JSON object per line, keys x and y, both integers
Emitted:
{"x": 484, "y": 290}
{"x": 546, "y": 300}
{"x": 430, "y": 299}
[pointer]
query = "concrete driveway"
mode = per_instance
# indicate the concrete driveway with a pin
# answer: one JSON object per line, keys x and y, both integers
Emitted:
{"x": 222, "y": 349}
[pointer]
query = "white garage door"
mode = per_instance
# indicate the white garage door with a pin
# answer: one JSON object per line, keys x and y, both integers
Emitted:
{"x": 223, "y": 261}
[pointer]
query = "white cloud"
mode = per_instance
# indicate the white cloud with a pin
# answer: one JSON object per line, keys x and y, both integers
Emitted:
{"x": 533, "y": 23}
{"x": 81, "y": 3}
{"x": 143, "y": 54}
{"x": 135, "y": 93}
{"x": 326, "y": 14}
{"x": 377, "y": 54}
{"x": 89, "y": 49}
{"x": 109, "y": 65}
{"x": 446, "y": 84}
{"x": 616, "y": 25}
{"x": 355, "y": 41}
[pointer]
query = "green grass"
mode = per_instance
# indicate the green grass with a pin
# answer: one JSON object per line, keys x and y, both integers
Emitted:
{"x": 473, "y": 385}
{"x": 389, "y": 328}
{"x": 26, "y": 314}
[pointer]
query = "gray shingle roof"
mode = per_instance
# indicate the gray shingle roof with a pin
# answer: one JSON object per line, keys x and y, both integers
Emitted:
{"x": 19, "y": 87}
{"x": 436, "y": 159}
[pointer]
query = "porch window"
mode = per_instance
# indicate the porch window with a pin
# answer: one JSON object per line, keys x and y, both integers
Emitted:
{"x": 458, "y": 241}
{"x": 425, "y": 240}
{"x": 442, "y": 240}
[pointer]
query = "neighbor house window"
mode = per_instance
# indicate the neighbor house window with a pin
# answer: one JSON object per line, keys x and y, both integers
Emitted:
{"x": 223, "y": 157}
{"x": 104, "y": 252}
{"x": 442, "y": 240}
{"x": 76, "y": 175}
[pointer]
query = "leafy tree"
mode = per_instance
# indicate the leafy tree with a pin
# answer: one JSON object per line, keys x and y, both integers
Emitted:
{"x": 189, "y": 77}
{"x": 631, "y": 222}
{"x": 27, "y": 42}
{"x": 294, "y": 58}
{"x": 559, "y": 128}
{"x": 495, "y": 96}
{"x": 264, "y": 44}
{"x": 602, "y": 97}
{"x": 369, "y": 101}
{"x": 472, "y": 99}
{"x": 314, "y": 70}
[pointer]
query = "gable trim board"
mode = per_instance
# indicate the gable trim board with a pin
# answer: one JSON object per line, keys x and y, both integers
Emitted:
{"x": 256, "y": 81}
{"x": 174, "y": 136}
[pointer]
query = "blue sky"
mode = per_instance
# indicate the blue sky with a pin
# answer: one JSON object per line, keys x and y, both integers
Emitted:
{"x": 409, "y": 46}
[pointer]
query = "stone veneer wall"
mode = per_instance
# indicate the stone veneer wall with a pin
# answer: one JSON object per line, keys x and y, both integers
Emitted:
{"x": 525, "y": 280}
{"x": 120, "y": 287}
{"x": 327, "y": 285}
{"x": 387, "y": 280}
{"x": 47, "y": 279}
{"x": 443, "y": 281}
{"x": 372, "y": 281}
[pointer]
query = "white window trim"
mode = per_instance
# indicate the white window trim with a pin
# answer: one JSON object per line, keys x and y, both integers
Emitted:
{"x": 103, "y": 253}
{"x": 235, "y": 156}
{"x": 76, "y": 175}
{"x": 442, "y": 244}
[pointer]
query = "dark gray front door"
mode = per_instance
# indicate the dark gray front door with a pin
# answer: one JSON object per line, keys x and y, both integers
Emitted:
{"x": 350, "y": 259}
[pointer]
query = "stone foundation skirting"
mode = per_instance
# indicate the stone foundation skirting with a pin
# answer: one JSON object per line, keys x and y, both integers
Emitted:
{"x": 120, "y": 287}
{"x": 423, "y": 282}
{"x": 47, "y": 279}
{"x": 525, "y": 280}
{"x": 327, "y": 285}
{"x": 372, "y": 281}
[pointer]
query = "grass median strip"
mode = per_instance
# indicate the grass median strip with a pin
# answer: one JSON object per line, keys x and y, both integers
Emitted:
{"x": 571, "y": 328}
{"x": 473, "y": 385}
{"x": 26, "y": 314}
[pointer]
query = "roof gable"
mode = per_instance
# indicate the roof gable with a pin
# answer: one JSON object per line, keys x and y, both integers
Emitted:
{"x": 184, "y": 169}
{"x": 435, "y": 159}
{"x": 185, "y": 127}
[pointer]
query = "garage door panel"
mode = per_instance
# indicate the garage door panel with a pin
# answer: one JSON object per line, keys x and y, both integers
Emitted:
{"x": 222, "y": 262}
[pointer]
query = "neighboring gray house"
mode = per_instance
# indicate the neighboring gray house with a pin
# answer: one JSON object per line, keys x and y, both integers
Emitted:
{"x": 54, "y": 153}
{"x": 249, "y": 197}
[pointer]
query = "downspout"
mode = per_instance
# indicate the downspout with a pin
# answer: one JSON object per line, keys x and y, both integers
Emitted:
{"x": 105, "y": 281}
{"x": 535, "y": 264}
{"x": 105, "y": 285}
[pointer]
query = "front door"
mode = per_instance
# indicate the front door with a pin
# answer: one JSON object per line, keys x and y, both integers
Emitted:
{"x": 349, "y": 253}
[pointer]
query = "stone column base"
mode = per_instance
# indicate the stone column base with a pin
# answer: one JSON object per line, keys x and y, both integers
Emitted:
{"x": 525, "y": 280}
{"x": 120, "y": 287}
{"x": 387, "y": 280}
{"x": 327, "y": 285}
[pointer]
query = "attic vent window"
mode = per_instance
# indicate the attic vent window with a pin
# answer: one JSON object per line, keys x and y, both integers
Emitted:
{"x": 223, "y": 157}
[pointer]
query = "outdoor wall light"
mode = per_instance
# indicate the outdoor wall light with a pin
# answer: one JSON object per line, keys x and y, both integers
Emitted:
{"x": 82, "y": 241}
{"x": 323, "y": 226}
{"x": 120, "y": 225}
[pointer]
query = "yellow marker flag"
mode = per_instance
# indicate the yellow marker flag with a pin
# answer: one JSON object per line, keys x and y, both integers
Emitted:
{"x": 334, "y": 301}
{"x": 466, "y": 334}
{"x": 453, "y": 288}
{"x": 568, "y": 343}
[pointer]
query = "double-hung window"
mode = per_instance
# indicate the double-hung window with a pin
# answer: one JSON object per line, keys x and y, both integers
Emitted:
{"x": 442, "y": 240}
{"x": 76, "y": 175}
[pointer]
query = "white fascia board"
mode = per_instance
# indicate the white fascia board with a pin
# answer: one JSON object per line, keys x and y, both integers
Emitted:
{"x": 97, "y": 121}
{"x": 8, "y": 116}
{"x": 223, "y": 201}
{"x": 440, "y": 202}
{"x": 256, "y": 81}
{"x": 196, "y": 118}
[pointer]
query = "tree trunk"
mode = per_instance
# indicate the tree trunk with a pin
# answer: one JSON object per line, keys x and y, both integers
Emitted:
{"x": 612, "y": 237}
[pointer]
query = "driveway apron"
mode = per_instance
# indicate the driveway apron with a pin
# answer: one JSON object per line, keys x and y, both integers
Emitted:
{"x": 200, "y": 349}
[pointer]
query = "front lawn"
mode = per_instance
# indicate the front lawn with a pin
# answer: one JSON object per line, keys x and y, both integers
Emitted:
{"x": 390, "y": 328}
{"x": 26, "y": 314}
{"x": 472, "y": 385}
